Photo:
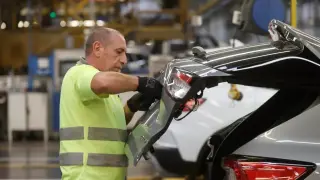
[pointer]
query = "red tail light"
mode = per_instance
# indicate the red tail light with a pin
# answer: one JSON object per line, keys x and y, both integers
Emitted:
{"x": 254, "y": 170}
{"x": 178, "y": 84}
{"x": 185, "y": 77}
{"x": 189, "y": 104}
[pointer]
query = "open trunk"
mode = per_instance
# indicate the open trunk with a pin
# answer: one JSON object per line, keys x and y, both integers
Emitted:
{"x": 289, "y": 63}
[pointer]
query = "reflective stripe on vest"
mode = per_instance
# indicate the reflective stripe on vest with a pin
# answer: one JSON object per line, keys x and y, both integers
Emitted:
{"x": 94, "y": 159}
{"x": 94, "y": 133}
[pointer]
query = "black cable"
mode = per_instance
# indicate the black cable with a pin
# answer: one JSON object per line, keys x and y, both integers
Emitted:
{"x": 190, "y": 110}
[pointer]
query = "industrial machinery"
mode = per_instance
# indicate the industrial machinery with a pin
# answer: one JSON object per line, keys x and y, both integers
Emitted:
{"x": 59, "y": 21}
{"x": 255, "y": 15}
{"x": 3, "y": 115}
{"x": 32, "y": 100}
{"x": 137, "y": 59}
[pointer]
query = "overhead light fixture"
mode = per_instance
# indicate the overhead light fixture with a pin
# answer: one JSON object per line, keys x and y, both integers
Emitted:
{"x": 89, "y": 23}
{"x": 74, "y": 23}
{"x": 24, "y": 11}
{"x": 20, "y": 24}
{"x": 26, "y": 24}
{"x": 3, "y": 25}
{"x": 80, "y": 23}
{"x": 63, "y": 24}
{"x": 100, "y": 23}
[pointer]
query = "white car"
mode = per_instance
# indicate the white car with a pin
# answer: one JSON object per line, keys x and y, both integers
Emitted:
{"x": 279, "y": 139}
{"x": 184, "y": 140}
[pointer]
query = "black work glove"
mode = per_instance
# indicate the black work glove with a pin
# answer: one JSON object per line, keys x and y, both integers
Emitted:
{"x": 150, "y": 87}
{"x": 139, "y": 102}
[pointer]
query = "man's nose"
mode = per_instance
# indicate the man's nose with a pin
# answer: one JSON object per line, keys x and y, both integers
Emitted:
{"x": 123, "y": 59}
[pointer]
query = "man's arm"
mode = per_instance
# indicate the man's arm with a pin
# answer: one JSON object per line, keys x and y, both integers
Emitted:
{"x": 92, "y": 84}
{"x": 113, "y": 83}
{"x": 138, "y": 102}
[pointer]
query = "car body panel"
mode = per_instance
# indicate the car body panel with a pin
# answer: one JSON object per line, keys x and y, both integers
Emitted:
{"x": 287, "y": 65}
{"x": 297, "y": 139}
{"x": 217, "y": 112}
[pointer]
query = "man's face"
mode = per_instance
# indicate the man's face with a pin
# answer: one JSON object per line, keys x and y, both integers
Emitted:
{"x": 112, "y": 57}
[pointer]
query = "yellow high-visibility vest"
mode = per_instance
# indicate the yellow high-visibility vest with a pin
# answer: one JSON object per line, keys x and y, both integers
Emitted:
{"x": 92, "y": 130}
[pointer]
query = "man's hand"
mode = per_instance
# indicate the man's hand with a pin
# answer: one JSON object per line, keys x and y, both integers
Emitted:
{"x": 140, "y": 102}
{"x": 137, "y": 102}
{"x": 150, "y": 87}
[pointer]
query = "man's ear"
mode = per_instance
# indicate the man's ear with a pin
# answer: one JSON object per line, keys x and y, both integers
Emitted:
{"x": 96, "y": 48}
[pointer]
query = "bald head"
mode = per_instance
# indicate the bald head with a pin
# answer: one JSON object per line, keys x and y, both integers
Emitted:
{"x": 105, "y": 49}
{"x": 102, "y": 35}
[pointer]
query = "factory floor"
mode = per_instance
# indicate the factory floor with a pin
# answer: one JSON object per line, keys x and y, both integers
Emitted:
{"x": 34, "y": 160}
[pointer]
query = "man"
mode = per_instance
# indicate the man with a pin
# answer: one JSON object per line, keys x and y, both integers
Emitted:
{"x": 92, "y": 119}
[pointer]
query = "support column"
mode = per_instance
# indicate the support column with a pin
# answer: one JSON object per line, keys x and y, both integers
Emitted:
{"x": 78, "y": 7}
{"x": 92, "y": 13}
{"x": 14, "y": 17}
{"x": 183, "y": 12}
{"x": 294, "y": 13}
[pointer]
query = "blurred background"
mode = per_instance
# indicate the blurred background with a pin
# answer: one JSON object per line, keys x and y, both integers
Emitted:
{"x": 41, "y": 39}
